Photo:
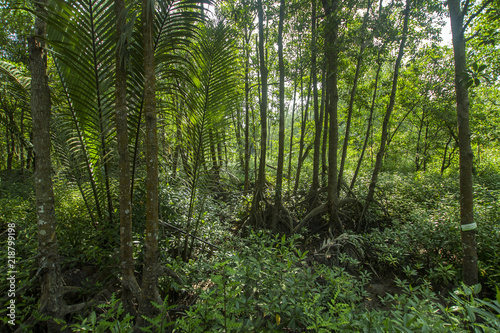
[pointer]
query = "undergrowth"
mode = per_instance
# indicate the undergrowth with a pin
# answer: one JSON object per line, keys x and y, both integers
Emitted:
{"x": 267, "y": 283}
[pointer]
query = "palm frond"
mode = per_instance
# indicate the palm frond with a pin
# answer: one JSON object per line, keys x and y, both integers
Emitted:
{"x": 210, "y": 99}
{"x": 176, "y": 23}
{"x": 81, "y": 33}
{"x": 15, "y": 86}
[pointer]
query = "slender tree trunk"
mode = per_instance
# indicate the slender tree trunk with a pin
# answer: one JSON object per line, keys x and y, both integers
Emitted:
{"x": 290, "y": 153}
{"x": 10, "y": 137}
{"x": 178, "y": 135}
{"x": 151, "y": 267}
{"x": 261, "y": 178}
{"x": 324, "y": 110}
{"x": 130, "y": 285}
{"x": 353, "y": 94}
{"x": 470, "y": 269}
{"x": 22, "y": 142}
{"x": 385, "y": 125}
{"x": 317, "y": 118}
{"x": 370, "y": 120}
{"x": 247, "y": 114}
{"x": 51, "y": 302}
{"x": 418, "y": 153}
{"x": 331, "y": 51}
{"x": 237, "y": 131}
{"x": 447, "y": 157}
{"x": 29, "y": 156}
{"x": 305, "y": 115}
{"x": 281, "y": 135}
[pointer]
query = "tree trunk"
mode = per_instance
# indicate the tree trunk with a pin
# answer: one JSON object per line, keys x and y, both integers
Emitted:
{"x": 385, "y": 124}
{"x": 332, "y": 97}
{"x": 247, "y": 114}
{"x": 317, "y": 118}
{"x": 10, "y": 136}
{"x": 151, "y": 267}
{"x": 51, "y": 302}
{"x": 418, "y": 161}
{"x": 255, "y": 212}
{"x": 22, "y": 142}
{"x": 281, "y": 135}
{"x": 324, "y": 107}
{"x": 130, "y": 285}
{"x": 470, "y": 269}
{"x": 305, "y": 115}
{"x": 370, "y": 120}
{"x": 290, "y": 153}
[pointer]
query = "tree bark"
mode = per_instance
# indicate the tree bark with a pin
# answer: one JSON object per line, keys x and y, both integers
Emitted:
{"x": 151, "y": 267}
{"x": 51, "y": 302}
{"x": 130, "y": 285}
{"x": 470, "y": 269}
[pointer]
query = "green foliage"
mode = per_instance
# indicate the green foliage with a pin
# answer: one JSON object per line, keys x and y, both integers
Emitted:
{"x": 113, "y": 319}
{"x": 17, "y": 208}
{"x": 478, "y": 315}
{"x": 268, "y": 286}
{"x": 425, "y": 230}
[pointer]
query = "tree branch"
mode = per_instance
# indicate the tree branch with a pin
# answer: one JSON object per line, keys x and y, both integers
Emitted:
{"x": 473, "y": 16}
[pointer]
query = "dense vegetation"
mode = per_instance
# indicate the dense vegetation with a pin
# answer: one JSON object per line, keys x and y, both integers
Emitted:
{"x": 251, "y": 166}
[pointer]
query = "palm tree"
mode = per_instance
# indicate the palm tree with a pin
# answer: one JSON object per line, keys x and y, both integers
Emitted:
{"x": 83, "y": 35}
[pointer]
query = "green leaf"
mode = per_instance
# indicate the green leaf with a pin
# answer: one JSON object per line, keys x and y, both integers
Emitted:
{"x": 477, "y": 288}
{"x": 470, "y": 313}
